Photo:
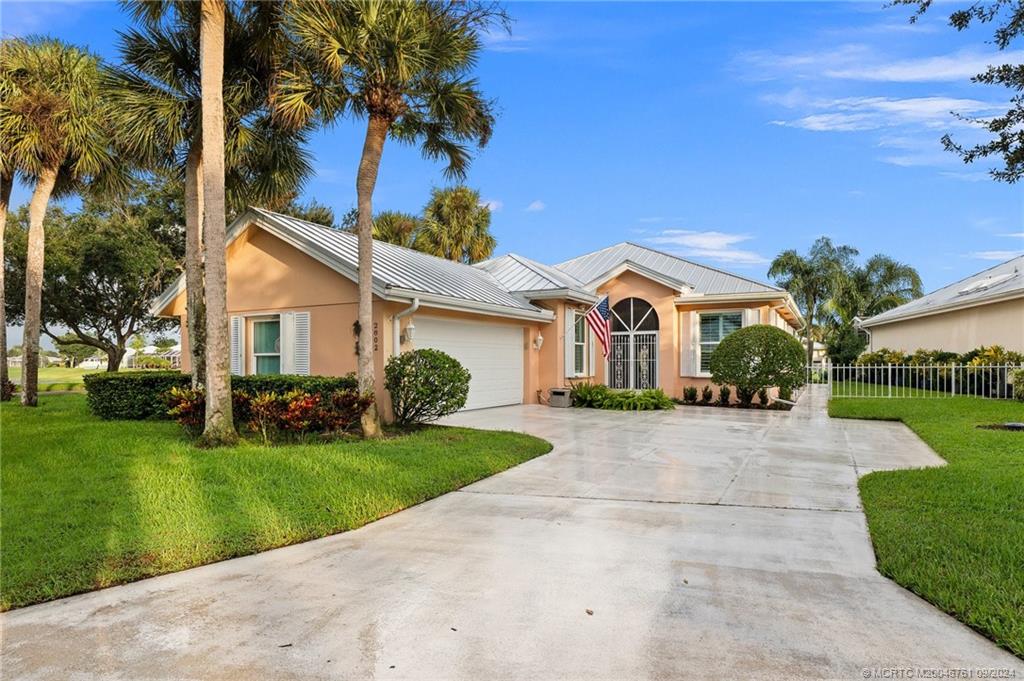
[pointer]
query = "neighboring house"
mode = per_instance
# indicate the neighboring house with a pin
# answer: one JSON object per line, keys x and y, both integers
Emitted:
{"x": 984, "y": 309}
{"x": 516, "y": 324}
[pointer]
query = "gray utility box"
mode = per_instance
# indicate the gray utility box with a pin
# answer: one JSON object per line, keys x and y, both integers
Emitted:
{"x": 560, "y": 397}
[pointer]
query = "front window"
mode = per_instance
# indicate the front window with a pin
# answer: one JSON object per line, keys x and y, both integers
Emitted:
{"x": 266, "y": 346}
{"x": 713, "y": 328}
{"x": 580, "y": 345}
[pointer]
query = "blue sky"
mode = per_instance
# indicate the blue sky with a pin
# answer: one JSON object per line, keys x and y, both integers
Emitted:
{"x": 724, "y": 132}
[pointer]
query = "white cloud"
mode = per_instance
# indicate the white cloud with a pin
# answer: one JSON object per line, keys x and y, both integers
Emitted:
{"x": 711, "y": 245}
{"x": 536, "y": 206}
{"x": 996, "y": 255}
{"x": 1014, "y": 235}
{"x": 867, "y": 63}
{"x": 965, "y": 176}
{"x": 851, "y": 114}
{"x": 494, "y": 205}
{"x": 957, "y": 66}
{"x": 505, "y": 41}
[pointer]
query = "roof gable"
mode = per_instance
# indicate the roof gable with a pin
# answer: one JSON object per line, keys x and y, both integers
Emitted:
{"x": 397, "y": 271}
{"x": 590, "y": 268}
{"x": 517, "y": 273}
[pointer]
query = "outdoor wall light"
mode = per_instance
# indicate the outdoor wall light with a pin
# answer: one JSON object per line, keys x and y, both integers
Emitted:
{"x": 410, "y": 331}
{"x": 538, "y": 341}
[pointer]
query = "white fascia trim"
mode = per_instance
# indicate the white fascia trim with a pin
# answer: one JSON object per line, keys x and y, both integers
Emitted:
{"x": 646, "y": 272}
{"x": 948, "y": 307}
{"x": 460, "y": 305}
{"x": 753, "y": 296}
{"x": 176, "y": 288}
{"x": 559, "y": 293}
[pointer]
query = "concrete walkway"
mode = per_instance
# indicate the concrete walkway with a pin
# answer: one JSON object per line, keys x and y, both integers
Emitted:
{"x": 699, "y": 543}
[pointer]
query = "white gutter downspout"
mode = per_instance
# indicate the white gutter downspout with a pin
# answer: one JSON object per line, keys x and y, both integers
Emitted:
{"x": 858, "y": 324}
{"x": 396, "y": 326}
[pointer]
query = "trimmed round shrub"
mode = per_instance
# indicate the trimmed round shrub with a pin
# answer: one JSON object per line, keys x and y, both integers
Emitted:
{"x": 425, "y": 385}
{"x": 756, "y": 358}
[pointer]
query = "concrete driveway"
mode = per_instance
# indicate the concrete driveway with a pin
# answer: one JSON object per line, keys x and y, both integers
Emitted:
{"x": 691, "y": 544}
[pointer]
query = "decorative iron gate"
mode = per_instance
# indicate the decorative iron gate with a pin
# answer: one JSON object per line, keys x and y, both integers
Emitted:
{"x": 633, "y": 359}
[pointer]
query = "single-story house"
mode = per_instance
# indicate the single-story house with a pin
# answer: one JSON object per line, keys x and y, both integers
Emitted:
{"x": 986, "y": 308}
{"x": 516, "y": 324}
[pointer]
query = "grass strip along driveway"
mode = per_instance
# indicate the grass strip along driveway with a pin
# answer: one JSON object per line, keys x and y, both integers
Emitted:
{"x": 88, "y": 503}
{"x": 953, "y": 535}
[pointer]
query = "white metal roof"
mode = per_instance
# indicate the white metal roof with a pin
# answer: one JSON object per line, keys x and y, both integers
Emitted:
{"x": 517, "y": 273}
{"x": 398, "y": 273}
{"x": 700, "y": 278}
{"x": 398, "y": 267}
{"x": 1005, "y": 280}
{"x": 502, "y": 285}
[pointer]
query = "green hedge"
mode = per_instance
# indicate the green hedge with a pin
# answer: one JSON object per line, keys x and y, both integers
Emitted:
{"x": 138, "y": 395}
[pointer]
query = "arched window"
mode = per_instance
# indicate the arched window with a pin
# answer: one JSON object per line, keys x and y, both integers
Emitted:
{"x": 633, "y": 360}
{"x": 634, "y": 314}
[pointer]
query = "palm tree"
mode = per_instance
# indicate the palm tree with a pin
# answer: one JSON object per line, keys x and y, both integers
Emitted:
{"x": 220, "y": 427}
{"x": 812, "y": 279}
{"x": 403, "y": 66}
{"x": 456, "y": 226}
{"x": 879, "y": 285}
{"x": 397, "y": 228}
{"x": 159, "y": 97}
{"x": 56, "y": 133}
{"x": 6, "y": 184}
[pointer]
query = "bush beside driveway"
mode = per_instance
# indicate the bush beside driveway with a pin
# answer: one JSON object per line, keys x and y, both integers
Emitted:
{"x": 953, "y": 535}
{"x": 88, "y": 503}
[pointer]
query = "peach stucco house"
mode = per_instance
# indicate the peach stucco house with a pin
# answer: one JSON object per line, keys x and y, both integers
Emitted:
{"x": 986, "y": 308}
{"x": 516, "y": 324}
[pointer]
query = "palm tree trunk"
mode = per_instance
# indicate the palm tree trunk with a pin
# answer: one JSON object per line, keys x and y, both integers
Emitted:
{"x": 811, "y": 311}
{"x": 34, "y": 285}
{"x": 219, "y": 428}
{"x": 373, "y": 148}
{"x": 195, "y": 310}
{"x": 6, "y": 184}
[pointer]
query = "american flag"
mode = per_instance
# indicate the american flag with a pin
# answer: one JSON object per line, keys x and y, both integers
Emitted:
{"x": 599, "y": 318}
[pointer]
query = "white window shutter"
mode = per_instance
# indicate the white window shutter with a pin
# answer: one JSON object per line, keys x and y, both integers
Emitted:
{"x": 751, "y": 316}
{"x": 592, "y": 352}
{"x": 237, "y": 343}
{"x": 287, "y": 342}
{"x": 686, "y": 322}
{"x": 570, "y": 340}
{"x": 301, "y": 344}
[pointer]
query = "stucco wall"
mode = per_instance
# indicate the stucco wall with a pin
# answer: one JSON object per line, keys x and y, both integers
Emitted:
{"x": 956, "y": 331}
{"x": 268, "y": 276}
{"x": 662, "y": 299}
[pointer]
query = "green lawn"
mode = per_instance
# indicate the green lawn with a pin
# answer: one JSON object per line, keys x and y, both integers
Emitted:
{"x": 879, "y": 390}
{"x": 87, "y": 503}
{"x": 953, "y": 535}
{"x": 55, "y": 378}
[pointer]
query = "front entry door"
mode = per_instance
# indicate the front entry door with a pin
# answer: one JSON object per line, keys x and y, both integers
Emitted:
{"x": 633, "y": 359}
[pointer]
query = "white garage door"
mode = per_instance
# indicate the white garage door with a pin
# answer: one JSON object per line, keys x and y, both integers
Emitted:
{"x": 493, "y": 354}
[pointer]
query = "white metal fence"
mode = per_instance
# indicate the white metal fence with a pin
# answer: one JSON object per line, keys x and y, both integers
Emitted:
{"x": 993, "y": 381}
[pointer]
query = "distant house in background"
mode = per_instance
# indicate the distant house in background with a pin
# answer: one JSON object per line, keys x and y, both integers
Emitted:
{"x": 984, "y": 309}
